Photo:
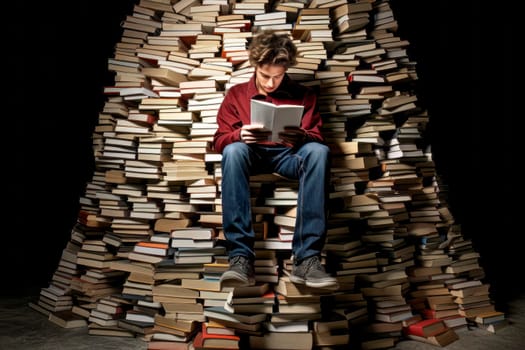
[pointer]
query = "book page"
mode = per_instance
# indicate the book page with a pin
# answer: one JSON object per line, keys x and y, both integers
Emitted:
{"x": 275, "y": 117}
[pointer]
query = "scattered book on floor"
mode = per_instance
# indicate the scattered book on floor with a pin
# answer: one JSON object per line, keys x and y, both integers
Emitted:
{"x": 67, "y": 319}
{"x": 494, "y": 327}
{"x": 444, "y": 338}
{"x": 426, "y": 327}
{"x": 489, "y": 317}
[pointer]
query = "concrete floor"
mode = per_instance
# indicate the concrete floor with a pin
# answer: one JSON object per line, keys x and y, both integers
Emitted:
{"x": 21, "y": 327}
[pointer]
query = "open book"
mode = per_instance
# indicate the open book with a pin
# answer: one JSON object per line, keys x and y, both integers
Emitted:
{"x": 275, "y": 117}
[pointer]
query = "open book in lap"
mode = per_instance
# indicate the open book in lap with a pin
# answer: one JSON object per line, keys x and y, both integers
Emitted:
{"x": 275, "y": 117}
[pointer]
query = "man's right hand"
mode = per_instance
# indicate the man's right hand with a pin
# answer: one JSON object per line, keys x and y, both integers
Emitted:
{"x": 254, "y": 133}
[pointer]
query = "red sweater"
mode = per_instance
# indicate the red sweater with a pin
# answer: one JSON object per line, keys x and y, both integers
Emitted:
{"x": 235, "y": 110}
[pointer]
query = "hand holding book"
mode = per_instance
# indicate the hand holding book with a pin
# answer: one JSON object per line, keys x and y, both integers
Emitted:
{"x": 292, "y": 135}
{"x": 253, "y": 133}
{"x": 276, "y": 118}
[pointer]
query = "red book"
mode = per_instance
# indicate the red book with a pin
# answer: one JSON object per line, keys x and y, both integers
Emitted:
{"x": 426, "y": 327}
{"x": 211, "y": 340}
{"x": 146, "y": 118}
{"x": 431, "y": 313}
{"x": 153, "y": 248}
{"x": 208, "y": 335}
{"x": 152, "y": 244}
{"x": 197, "y": 341}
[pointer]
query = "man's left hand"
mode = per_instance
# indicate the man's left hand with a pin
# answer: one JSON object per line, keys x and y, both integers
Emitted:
{"x": 292, "y": 135}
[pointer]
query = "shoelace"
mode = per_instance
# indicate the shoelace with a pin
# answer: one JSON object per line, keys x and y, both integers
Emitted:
{"x": 241, "y": 262}
{"x": 312, "y": 262}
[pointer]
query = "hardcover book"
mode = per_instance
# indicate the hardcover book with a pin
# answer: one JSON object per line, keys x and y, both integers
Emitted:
{"x": 426, "y": 327}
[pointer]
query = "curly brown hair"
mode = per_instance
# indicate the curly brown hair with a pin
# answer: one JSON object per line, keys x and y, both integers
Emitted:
{"x": 271, "y": 48}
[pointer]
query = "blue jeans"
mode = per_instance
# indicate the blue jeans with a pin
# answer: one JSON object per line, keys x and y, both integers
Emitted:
{"x": 309, "y": 164}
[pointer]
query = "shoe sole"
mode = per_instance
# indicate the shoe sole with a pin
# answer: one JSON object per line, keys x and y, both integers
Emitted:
{"x": 234, "y": 279}
{"x": 332, "y": 285}
{"x": 297, "y": 279}
{"x": 327, "y": 284}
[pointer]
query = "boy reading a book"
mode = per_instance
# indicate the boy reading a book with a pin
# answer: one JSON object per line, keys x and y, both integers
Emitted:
{"x": 300, "y": 154}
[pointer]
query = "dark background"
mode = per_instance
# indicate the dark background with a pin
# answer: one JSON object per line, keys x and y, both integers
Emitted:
{"x": 59, "y": 58}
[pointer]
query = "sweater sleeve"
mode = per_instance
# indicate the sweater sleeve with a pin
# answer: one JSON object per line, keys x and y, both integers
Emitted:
{"x": 229, "y": 122}
{"x": 312, "y": 121}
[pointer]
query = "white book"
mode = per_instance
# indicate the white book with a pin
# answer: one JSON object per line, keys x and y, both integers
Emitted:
{"x": 275, "y": 117}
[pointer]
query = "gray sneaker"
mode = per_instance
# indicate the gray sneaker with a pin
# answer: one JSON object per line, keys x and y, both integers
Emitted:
{"x": 240, "y": 273}
{"x": 311, "y": 272}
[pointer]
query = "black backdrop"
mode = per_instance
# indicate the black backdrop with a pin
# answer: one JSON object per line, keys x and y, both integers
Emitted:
{"x": 59, "y": 70}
